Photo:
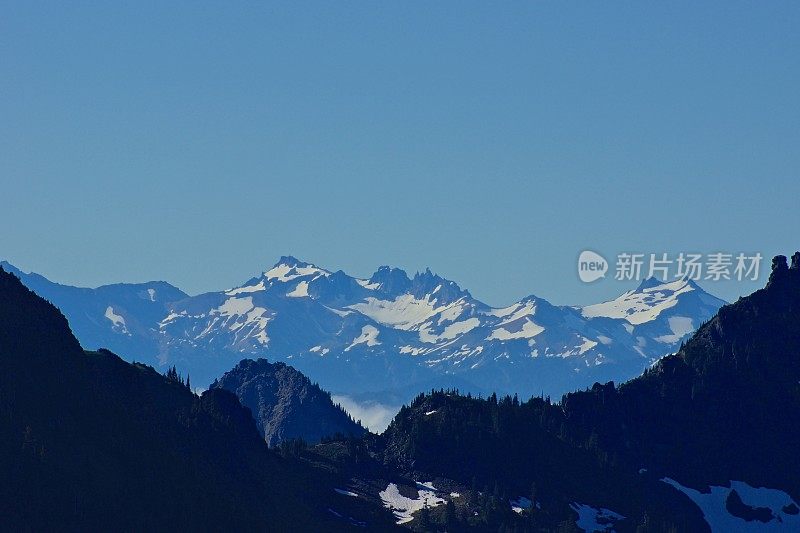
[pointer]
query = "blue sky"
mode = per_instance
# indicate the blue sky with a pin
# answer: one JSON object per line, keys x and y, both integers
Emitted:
{"x": 198, "y": 142}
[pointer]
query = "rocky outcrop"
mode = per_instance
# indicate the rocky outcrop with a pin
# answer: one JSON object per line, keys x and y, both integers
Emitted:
{"x": 286, "y": 404}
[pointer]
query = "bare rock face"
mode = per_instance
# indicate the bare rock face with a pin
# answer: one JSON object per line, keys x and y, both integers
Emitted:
{"x": 285, "y": 403}
{"x": 795, "y": 261}
{"x": 782, "y": 271}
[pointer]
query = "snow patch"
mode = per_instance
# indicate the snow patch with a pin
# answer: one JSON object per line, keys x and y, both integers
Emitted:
{"x": 450, "y": 332}
{"x": 426, "y": 485}
{"x": 521, "y": 504}
{"x": 680, "y": 326}
{"x": 247, "y": 289}
{"x": 591, "y": 519}
{"x": 638, "y": 307}
{"x": 367, "y": 285}
{"x": 404, "y": 507}
{"x": 286, "y": 273}
{"x": 117, "y": 321}
{"x": 719, "y": 519}
{"x": 369, "y": 336}
{"x": 300, "y": 291}
{"x": 235, "y": 306}
{"x": 586, "y": 346}
{"x": 404, "y": 312}
{"x": 528, "y": 330}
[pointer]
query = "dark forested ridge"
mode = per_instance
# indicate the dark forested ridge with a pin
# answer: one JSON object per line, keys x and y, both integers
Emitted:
{"x": 286, "y": 404}
{"x": 90, "y": 442}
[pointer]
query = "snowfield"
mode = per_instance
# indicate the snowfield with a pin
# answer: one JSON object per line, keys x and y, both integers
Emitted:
{"x": 591, "y": 519}
{"x": 404, "y": 507}
{"x": 719, "y": 518}
{"x": 640, "y": 306}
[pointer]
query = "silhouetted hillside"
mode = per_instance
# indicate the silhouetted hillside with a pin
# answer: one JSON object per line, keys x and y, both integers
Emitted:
{"x": 90, "y": 442}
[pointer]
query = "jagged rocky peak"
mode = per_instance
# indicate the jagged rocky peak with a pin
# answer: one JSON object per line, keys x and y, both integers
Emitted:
{"x": 649, "y": 283}
{"x": 669, "y": 284}
{"x": 428, "y": 283}
{"x": 337, "y": 285}
{"x": 291, "y": 261}
{"x": 782, "y": 270}
{"x": 390, "y": 280}
{"x": 779, "y": 263}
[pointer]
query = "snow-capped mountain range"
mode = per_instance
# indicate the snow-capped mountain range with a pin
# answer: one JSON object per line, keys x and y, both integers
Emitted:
{"x": 390, "y": 332}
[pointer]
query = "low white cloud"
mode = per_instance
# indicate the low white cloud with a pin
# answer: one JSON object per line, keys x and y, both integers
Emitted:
{"x": 373, "y": 415}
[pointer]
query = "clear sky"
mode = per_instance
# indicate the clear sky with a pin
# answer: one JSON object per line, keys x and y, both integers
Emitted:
{"x": 197, "y": 142}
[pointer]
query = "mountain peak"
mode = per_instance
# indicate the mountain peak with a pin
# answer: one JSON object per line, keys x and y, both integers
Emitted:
{"x": 391, "y": 280}
{"x": 288, "y": 268}
{"x": 290, "y": 261}
{"x": 673, "y": 285}
{"x": 782, "y": 271}
{"x": 653, "y": 297}
{"x": 285, "y": 403}
{"x": 649, "y": 283}
{"x": 428, "y": 283}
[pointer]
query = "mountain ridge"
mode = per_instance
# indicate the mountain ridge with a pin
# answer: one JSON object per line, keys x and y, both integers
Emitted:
{"x": 389, "y": 331}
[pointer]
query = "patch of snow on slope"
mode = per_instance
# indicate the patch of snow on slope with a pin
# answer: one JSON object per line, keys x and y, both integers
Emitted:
{"x": 117, "y": 321}
{"x": 412, "y": 350}
{"x": 288, "y": 273}
{"x": 520, "y": 504}
{"x": 719, "y": 519}
{"x": 591, "y": 519}
{"x": 586, "y": 346}
{"x": 450, "y": 332}
{"x": 404, "y": 312}
{"x": 640, "y": 306}
{"x": 459, "y": 328}
{"x": 680, "y": 326}
{"x": 235, "y": 306}
{"x": 152, "y": 294}
{"x": 514, "y": 312}
{"x": 404, "y": 507}
{"x": 528, "y": 330}
{"x": 250, "y": 288}
{"x": 367, "y": 285}
{"x": 346, "y": 493}
{"x": 369, "y": 336}
{"x": 300, "y": 291}
{"x": 450, "y": 314}
{"x": 338, "y": 312}
{"x": 241, "y": 312}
